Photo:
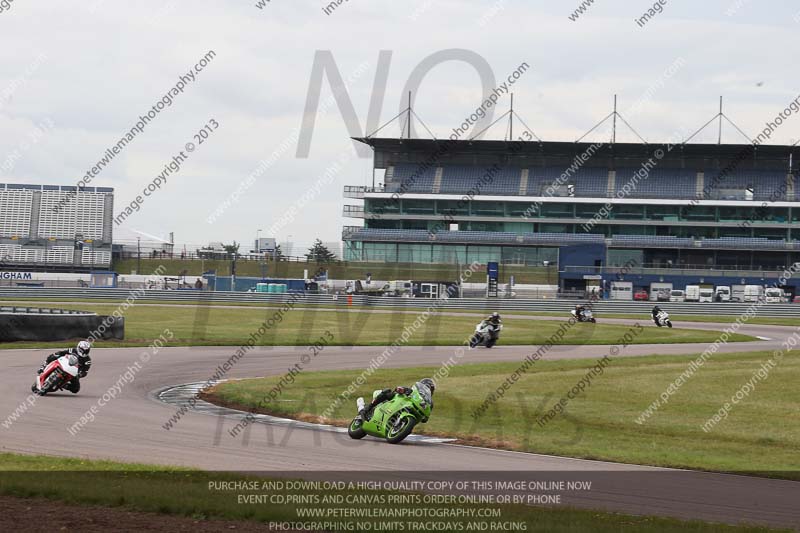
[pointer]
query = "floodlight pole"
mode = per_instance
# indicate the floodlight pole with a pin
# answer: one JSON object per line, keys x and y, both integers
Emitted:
{"x": 511, "y": 120}
{"x": 409, "y": 115}
{"x": 719, "y": 139}
{"x": 614, "y": 127}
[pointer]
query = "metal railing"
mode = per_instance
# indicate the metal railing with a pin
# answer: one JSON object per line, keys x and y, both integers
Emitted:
{"x": 367, "y": 302}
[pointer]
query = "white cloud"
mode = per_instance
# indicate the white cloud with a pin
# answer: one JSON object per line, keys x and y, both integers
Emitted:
{"x": 108, "y": 64}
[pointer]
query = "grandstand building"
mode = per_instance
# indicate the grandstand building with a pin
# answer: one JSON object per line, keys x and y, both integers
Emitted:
{"x": 55, "y": 227}
{"x": 588, "y": 207}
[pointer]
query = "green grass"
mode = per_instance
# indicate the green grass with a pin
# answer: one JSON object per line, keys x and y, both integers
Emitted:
{"x": 185, "y": 492}
{"x": 212, "y": 325}
{"x": 761, "y": 434}
{"x": 336, "y": 270}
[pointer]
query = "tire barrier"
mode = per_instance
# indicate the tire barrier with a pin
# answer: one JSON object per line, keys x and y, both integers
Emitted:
{"x": 36, "y": 324}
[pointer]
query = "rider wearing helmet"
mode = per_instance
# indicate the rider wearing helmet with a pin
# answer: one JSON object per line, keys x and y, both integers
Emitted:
{"x": 494, "y": 319}
{"x": 425, "y": 386}
{"x": 655, "y": 312}
{"x": 84, "y": 363}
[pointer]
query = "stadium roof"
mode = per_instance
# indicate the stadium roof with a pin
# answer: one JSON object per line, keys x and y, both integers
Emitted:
{"x": 390, "y": 150}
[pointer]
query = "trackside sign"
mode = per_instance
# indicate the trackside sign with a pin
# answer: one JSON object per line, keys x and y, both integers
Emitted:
{"x": 15, "y": 275}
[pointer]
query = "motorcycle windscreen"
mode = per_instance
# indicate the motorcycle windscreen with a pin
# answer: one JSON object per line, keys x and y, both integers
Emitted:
{"x": 73, "y": 360}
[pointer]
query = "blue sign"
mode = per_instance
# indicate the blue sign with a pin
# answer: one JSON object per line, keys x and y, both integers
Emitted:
{"x": 493, "y": 270}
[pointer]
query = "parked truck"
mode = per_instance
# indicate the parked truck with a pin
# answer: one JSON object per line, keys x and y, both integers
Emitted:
{"x": 722, "y": 293}
{"x": 693, "y": 293}
{"x": 706, "y": 295}
{"x": 774, "y": 295}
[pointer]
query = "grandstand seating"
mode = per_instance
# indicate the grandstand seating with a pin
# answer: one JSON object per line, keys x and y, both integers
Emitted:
{"x": 479, "y": 180}
{"x": 654, "y": 241}
{"x": 658, "y": 183}
{"x": 588, "y": 181}
{"x": 15, "y": 215}
{"x": 766, "y": 184}
{"x": 35, "y": 220}
{"x": 744, "y": 243}
{"x": 408, "y": 177}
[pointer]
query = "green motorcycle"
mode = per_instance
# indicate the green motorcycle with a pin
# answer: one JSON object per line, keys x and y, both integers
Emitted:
{"x": 395, "y": 419}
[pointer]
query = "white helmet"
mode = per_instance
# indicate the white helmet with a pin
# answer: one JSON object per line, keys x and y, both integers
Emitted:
{"x": 83, "y": 348}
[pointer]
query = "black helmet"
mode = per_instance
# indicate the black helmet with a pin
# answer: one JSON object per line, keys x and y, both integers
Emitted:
{"x": 429, "y": 382}
{"x": 656, "y": 309}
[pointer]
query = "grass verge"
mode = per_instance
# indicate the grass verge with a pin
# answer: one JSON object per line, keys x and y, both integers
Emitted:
{"x": 761, "y": 435}
{"x": 197, "y": 494}
{"x": 220, "y": 326}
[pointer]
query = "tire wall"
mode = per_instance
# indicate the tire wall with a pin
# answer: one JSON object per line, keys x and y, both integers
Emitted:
{"x": 34, "y": 327}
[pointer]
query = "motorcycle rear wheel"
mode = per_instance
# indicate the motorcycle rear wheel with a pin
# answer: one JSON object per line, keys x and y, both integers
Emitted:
{"x": 395, "y": 437}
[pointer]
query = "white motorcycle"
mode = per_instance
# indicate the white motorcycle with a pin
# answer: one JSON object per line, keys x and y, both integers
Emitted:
{"x": 486, "y": 334}
{"x": 662, "y": 319}
{"x": 585, "y": 316}
{"x": 56, "y": 375}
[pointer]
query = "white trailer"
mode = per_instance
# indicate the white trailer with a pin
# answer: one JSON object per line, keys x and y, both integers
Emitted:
{"x": 753, "y": 293}
{"x": 660, "y": 292}
{"x": 737, "y": 293}
{"x": 693, "y": 293}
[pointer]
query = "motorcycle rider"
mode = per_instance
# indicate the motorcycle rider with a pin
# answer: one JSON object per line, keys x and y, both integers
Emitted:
{"x": 493, "y": 319}
{"x": 425, "y": 386}
{"x": 656, "y": 310}
{"x": 84, "y": 363}
{"x": 579, "y": 309}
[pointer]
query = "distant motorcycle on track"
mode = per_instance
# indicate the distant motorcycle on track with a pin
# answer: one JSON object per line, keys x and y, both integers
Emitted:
{"x": 661, "y": 319}
{"x": 486, "y": 334}
{"x": 584, "y": 315}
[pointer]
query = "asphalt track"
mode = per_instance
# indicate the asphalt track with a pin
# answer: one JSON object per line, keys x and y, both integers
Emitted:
{"x": 129, "y": 428}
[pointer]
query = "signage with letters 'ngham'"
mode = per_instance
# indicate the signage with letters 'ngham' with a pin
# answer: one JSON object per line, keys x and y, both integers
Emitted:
{"x": 15, "y": 275}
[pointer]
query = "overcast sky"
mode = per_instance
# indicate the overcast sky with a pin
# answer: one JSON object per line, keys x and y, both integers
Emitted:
{"x": 74, "y": 77}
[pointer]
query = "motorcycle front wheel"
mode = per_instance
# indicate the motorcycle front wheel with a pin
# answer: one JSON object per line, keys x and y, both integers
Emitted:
{"x": 355, "y": 431}
{"x": 669, "y": 323}
{"x": 397, "y": 433}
